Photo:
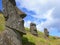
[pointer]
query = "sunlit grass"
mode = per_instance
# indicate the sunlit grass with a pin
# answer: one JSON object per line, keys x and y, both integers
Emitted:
{"x": 40, "y": 40}
{"x": 2, "y": 22}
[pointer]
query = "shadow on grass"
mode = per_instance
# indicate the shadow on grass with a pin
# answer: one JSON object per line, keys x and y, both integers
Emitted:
{"x": 26, "y": 42}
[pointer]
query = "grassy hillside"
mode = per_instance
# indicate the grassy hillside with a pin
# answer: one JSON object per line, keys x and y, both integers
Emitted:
{"x": 30, "y": 39}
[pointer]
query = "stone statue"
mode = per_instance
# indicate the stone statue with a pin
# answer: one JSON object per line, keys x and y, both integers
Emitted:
{"x": 13, "y": 18}
{"x": 46, "y": 32}
{"x": 33, "y": 29}
{"x": 14, "y": 23}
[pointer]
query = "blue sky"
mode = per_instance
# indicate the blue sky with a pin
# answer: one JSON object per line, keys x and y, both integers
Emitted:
{"x": 45, "y": 13}
{"x": 0, "y": 4}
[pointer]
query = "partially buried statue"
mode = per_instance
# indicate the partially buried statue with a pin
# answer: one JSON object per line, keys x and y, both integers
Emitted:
{"x": 14, "y": 24}
{"x": 46, "y": 32}
{"x": 33, "y": 29}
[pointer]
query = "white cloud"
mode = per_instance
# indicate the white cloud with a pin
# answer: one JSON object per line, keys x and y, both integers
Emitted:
{"x": 27, "y": 23}
{"x": 50, "y": 23}
{"x": 44, "y": 10}
{"x": 45, "y": 15}
{"x": 48, "y": 17}
{"x": 34, "y": 5}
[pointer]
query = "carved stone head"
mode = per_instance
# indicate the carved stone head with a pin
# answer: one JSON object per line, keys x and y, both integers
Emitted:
{"x": 33, "y": 29}
{"x": 46, "y": 32}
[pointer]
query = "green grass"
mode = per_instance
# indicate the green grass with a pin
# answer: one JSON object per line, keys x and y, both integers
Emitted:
{"x": 2, "y": 22}
{"x": 40, "y": 40}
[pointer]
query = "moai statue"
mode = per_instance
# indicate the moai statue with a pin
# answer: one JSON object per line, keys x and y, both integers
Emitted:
{"x": 33, "y": 29}
{"x": 14, "y": 23}
{"x": 13, "y": 15}
{"x": 46, "y": 32}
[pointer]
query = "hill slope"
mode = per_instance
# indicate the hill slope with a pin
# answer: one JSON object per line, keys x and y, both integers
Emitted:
{"x": 30, "y": 39}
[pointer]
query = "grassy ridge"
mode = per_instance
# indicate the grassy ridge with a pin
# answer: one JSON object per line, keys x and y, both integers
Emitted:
{"x": 39, "y": 40}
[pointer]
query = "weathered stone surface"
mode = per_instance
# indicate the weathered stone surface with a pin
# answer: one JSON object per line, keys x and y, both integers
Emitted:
{"x": 14, "y": 24}
{"x": 9, "y": 37}
{"x": 22, "y": 14}
{"x": 46, "y": 32}
{"x": 13, "y": 18}
{"x": 33, "y": 29}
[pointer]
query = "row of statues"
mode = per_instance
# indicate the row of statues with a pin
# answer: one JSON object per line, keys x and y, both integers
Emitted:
{"x": 14, "y": 27}
{"x": 34, "y": 31}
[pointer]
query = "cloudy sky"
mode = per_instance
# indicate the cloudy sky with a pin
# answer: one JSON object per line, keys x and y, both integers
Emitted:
{"x": 45, "y": 13}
